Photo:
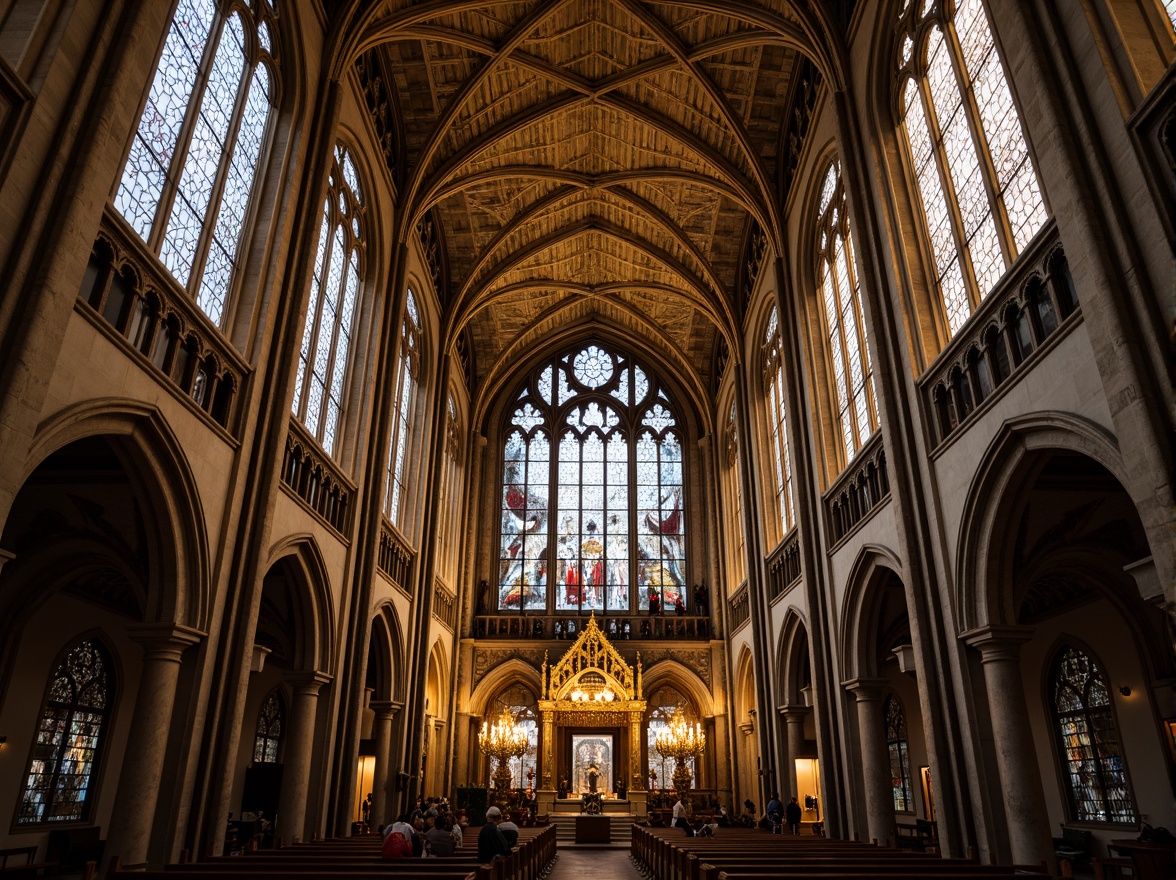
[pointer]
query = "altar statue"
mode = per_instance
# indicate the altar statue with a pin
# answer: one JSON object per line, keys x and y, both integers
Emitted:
{"x": 593, "y": 776}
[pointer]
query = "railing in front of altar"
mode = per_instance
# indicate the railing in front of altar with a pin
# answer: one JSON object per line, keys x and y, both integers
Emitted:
{"x": 565, "y": 626}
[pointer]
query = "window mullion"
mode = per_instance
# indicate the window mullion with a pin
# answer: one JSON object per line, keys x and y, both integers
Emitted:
{"x": 950, "y": 197}
{"x": 328, "y": 255}
{"x": 847, "y": 371}
{"x": 208, "y": 227}
{"x": 175, "y": 169}
{"x": 334, "y": 330}
{"x": 1000, "y": 219}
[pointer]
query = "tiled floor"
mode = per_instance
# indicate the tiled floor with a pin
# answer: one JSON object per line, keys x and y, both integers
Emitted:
{"x": 594, "y": 864}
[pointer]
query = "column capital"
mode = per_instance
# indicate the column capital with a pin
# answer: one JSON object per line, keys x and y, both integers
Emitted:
{"x": 997, "y": 642}
{"x": 308, "y": 683}
{"x": 164, "y": 641}
{"x": 866, "y": 689}
{"x": 386, "y": 708}
{"x": 794, "y": 713}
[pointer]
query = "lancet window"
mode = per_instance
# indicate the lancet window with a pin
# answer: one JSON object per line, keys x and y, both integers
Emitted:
{"x": 773, "y": 373}
{"x": 594, "y": 436}
{"x": 187, "y": 182}
{"x": 1093, "y": 768}
{"x": 665, "y": 703}
{"x": 521, "y": 703}
{"x": 334, "y": 289}
{"x": 845, "y": 325}
{"x": 60, "y": 775}
{"x": 407, "y": 372}
{"x": 738, "y": 563}
{"x": 900, "y": 762}
{"x": 267, "y": 740}
{"x": 979, "y": 190}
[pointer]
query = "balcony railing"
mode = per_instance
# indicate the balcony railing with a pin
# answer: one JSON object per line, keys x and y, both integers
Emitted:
{"x": 315, "y": 479}
{"x": 395, "y": 557}
{"x": 564, "y": 626}
{"x": 1035, "y": 301}
{"x": 863, "y": 486}
{"x": 445, "y": 606}
{"x": 738, "y": 608}
{"x": 136, "y": 296}
{"x": 784, "y": 566}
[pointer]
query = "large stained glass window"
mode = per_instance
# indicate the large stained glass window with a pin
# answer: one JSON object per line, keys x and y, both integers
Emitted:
{"x": 187, "y": 182}
{"x": 69, "y": 738}
{"x": 1093, "y": 767}
{"x": 778, "y": 421}
{"x": 900, "y": 762}
{"x": 592, "y": 487}
{"x": 408, "y": 369}
{"x": 267, "y": 740}
{"x": 979, "y": 190}
{"x": 845, "y": 324}
{"x": 326, "y": 336}
{"x": 665, "y": 703}
{"x": 521, "y": 703}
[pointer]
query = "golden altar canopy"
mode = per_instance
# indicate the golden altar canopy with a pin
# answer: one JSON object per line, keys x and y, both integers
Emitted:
{"x": 592, "y": 686}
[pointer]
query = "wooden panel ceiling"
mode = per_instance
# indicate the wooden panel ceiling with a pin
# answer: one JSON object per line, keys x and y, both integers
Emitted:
{"x": 591, "y": 148}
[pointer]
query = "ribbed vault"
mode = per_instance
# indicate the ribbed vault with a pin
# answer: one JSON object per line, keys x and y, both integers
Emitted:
{"x": 591, "y": 149}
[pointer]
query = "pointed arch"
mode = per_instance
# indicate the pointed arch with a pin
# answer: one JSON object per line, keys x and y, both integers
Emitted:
{"x": 871, "y": 568}
{"x": 792, "y": 659}
{"x": 314, "y": 644}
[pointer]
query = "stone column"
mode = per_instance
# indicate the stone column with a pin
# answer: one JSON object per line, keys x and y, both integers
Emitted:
{"x": 296, "y": 756}
{"x": 138, "y": 786}
{"x": 868, "y": 693}
{"x": 794, "y": 718}
{"x": 1016, "y": 759}
{"x": 548, "y": 768}
{"x": 636, "y": 775}
{"x": 382, "y": 776}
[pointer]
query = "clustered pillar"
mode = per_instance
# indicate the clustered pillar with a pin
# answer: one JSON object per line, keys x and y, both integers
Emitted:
{"x": 879, "y": 794}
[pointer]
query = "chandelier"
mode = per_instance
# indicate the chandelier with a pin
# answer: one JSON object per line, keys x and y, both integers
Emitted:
{"x": 682, "y": 742}
{"x": 502, "y": 741}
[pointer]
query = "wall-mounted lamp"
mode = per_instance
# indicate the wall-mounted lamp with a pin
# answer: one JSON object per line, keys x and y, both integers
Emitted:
{"x": 1125, "y": 690}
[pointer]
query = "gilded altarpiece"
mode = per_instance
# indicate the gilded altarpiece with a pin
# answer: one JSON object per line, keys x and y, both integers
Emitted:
{"x": 590, "y": 688}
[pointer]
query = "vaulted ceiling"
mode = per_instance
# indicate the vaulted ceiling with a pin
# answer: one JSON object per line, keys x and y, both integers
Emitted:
{"x": 585, "y": 149}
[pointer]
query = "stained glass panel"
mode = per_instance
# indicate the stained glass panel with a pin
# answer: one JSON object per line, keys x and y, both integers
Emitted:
{"x": 69, "y": 736}
{"x": 268, "y": 737}
{"x": 900, "y": 768}
{"x": 1093, "y": 766}
{"x": 522, "y": 576}
{"x": 778, "y": 422}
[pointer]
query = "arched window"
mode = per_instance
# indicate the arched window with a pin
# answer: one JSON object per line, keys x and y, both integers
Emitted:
{"x": 1092, "y": 760}
{"x": 406, "y": 383}
{"x": 663, "y": 705}
{"x": 187, "y": 182}
{"x": 271, "y": 721}
{"x": 521, "y": 703}
{"x": 778, "y": 420}
{"x": 738, "y": 562}
{"x": 616, "y": 470}
{"x": 900, "y": 763}
{"x": 845, "y": 325}
{"x": 981, "y": 199}
{"x": 326, "y": 336}
{"x": 69, "y": 738}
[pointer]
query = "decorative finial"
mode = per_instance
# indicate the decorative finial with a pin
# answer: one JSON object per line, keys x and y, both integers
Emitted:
{"x": 639, "y": 696}
{"x": 544, "y": 675}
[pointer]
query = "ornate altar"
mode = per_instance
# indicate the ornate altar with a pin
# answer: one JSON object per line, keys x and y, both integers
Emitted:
{"x": 590, "y": 696}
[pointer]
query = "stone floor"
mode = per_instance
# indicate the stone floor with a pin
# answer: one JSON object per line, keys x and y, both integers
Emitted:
{"x": 604, "y": 864}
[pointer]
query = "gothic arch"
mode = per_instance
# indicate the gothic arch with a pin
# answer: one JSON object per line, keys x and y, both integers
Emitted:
{"x": 513, "y": 670}
{"x": 792, "y": 657}
{"x": 387, "y": 642}
{"x": 1005, "y": 474}
{"x": 862, "y": 605}
{"x": 314, "y": 646}
{"x": 158, "y": 471}
{"x": 672, "y": 673}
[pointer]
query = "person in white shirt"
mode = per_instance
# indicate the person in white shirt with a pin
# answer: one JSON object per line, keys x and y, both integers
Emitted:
{"x": 679, "y": 814}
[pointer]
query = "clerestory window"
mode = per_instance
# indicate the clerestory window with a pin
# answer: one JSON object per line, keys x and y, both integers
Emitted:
{"x": 845, "y": 324}
{"x": 981, "y": 200}
{"x": 188, "y": 179}
{"x": 592, "y": 490}
{"x": 773, "y": 380}
{"x": 408, "y": 369}
{"x": 334, "y": 290}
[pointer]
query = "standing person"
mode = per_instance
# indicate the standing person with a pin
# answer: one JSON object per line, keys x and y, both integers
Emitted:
{"x": 775, "y": 812}
{"x": 680, "y": 814}
{"x": 700, "y": 600}
{"x": 679, "y": 605}
{"x": 792, "y": 816}
{"x": 654, "y": 602}
{"x": 491, "y": 844}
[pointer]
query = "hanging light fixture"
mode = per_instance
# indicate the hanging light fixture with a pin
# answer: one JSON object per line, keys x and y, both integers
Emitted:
{"x": 681, "y": 741}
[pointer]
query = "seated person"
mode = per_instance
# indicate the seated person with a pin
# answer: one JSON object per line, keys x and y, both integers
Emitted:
{"x": 397, "y": 840}
{"x": 439, "y": 838}
{"x": 510, "y": 831}
{"x": 491, "y": 844}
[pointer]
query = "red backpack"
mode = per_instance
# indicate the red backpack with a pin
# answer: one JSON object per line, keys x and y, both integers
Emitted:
{"x": 396, "y": 847}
